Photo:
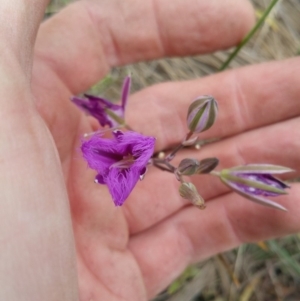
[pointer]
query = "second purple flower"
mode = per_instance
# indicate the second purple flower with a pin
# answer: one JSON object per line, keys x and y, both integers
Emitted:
{"x": 98, "y": 107}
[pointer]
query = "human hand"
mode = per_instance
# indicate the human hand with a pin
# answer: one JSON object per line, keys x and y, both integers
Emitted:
{"x": 35, "y": 225}
{"x": 133, "y": 252}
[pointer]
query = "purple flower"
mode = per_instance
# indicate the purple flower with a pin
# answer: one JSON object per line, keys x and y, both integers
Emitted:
{"x": 120, "y": 162}
{"x": 98, "y": 107}
{"x": 255, "y": 182}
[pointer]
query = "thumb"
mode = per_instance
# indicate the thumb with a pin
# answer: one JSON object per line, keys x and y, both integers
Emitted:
{"x": 20, "y": 20}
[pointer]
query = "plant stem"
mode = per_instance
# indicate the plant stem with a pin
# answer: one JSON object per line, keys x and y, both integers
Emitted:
{"x": 178, "y": 148}
{"x": 249, "y": 35}
{"x": 229, "y": 270}
{"x": 215, "y": 173}
{"x": 118, "y": 119}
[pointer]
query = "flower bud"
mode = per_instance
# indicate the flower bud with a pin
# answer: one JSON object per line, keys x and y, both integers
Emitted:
{"x": 207, "y": 165}
{"x": 188, "y": 191}
{"x": 188, "y": 167}
{"x": 255, "y": 182}
{"x": 202, "y": 114}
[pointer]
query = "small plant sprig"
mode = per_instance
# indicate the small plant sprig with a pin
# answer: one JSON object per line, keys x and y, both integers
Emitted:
{"x": 121, "y": 161}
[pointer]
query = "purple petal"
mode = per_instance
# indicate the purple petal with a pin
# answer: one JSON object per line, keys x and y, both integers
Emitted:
{"x": 143, "y": 173}
{"x": 104, "y": 103}
{"x": 83, "y": 104}
{"x": 100, "y": 105}
{"x": 255, "y": 198}
{"x": 93, "y": 108}
{"x": 121, "y": 182}
{"x": 125, "y": 91}
{"x": 100, "y": 153}
{"x": 141, "y": 147}
{"x": 263, "y": 179}
{"x": 99, "y": 179}
{"x": 96, "y": 106}
{"x": 117, "y": 133}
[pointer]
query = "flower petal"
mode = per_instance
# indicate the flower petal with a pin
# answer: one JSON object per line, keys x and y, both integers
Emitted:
{"x": 258, "y": 184}
{"x": 99, "y": 179}
{"x": 100, "y": 153}
{"x": 119, "y": 161}
{"x": 103, "y": 103}
{"x": 125, "y": 91}
{"x": 140, "y": 146}
{"x": 260, "y": 169}
{"x": 97, "y": 106}
{"x": 255, "y": 198}
{"x": 121, "y": 182}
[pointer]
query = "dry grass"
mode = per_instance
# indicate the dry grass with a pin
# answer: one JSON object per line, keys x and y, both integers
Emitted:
{"x": 268, "y": 271}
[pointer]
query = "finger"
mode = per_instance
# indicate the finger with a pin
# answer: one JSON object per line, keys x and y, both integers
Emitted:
{"x": 83, "y": 41}
{"x": 262, "y": 145}
{"x": 35, "y": 217}
{"x": 248, "y": 98}
{"x": 257, "y": 146}
{"x": 193, "y": 235}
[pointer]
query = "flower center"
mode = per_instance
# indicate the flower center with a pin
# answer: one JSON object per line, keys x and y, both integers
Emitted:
{"x": 126, "y": 162}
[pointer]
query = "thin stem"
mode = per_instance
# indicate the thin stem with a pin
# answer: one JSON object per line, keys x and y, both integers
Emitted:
{"x": 118, "y": 119}
{"x": 174, "y": 152}
{"x": 229, "y": 270}
{"x": 129, "y": 128}
{"x": 215, "y": 173}
{"x": 178, "y": 147}
{"x": 202, "y": 142}
{"x": 249, "y": 35}
{"x": 179, "y": 178}
{"x": 100, "y": 131}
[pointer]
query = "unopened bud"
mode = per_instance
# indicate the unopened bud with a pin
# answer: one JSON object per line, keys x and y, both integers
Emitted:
{"x": 188, "y": 167}
{"x": 202, "y": 114}
{"x": 188, "y": 191}
{"x": 256, "y": 182}
{"x": 207, "y": 165}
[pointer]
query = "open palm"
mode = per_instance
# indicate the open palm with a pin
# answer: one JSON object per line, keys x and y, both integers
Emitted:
{"x": 133, "y": 252}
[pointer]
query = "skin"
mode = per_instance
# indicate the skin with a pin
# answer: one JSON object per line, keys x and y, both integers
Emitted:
{"x": 62, "y": 238}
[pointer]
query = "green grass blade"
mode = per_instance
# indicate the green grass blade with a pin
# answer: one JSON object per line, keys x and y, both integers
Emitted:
{"x": 249, "y": 35}
{"x": 286, "y": 258}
